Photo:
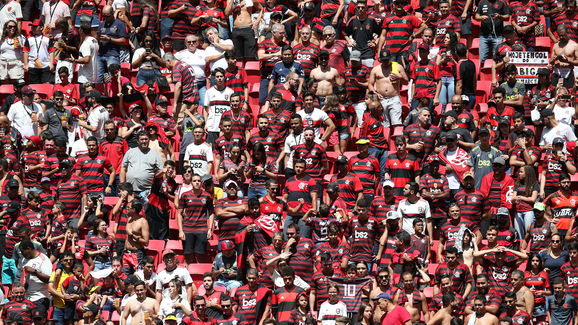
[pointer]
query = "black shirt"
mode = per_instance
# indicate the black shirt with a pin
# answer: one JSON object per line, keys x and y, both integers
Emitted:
{"x": 492, "y": 26}
{"x": 467, "y": 74}
{"x": 362, "y": 32}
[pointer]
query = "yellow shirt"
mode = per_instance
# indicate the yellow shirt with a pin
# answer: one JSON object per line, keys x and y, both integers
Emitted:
{"x": 59, "y": 302}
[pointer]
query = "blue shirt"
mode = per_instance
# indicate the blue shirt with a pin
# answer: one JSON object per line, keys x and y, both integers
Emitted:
{"x": 116, "y": 29}
{"x": 280, "y": 71}
{"x": 562, "y": 312}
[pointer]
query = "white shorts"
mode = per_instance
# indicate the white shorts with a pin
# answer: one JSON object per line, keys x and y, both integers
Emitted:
{"x": 13, "y": 69}
{"x": 392, "y": 110}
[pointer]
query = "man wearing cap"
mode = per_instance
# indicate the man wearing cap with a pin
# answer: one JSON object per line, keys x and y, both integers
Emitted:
{"x": 56, "y": 118}
{"x": 385, "y": 80}
{"x": 422, "y": 136}
{"x": 497, "y": 186}
{"x": 463, "y": 136}
{"x": 373, "y": 129}
{"x": 14, "y": 97}
{"x": 192, "y": 218}
{"x": 326, "y": 76}
{"x": 230, "y": 210}
{"x": 540, "y": 231}
{"x": 349, "y": 187}
{"x": 366, "y": 168}
{"x": 525, "y": 152}
{"x": 174, "y": 271}
{"x": 97, "y": 115}
{"x": 225, "y": 267}
{"x": 482, "y": 156}
{"x": 471, "y": 201}
{"x": 394, "y": 314}
{"x": 38, "y": 55}
{"x": 554, "y": 129}
{"x": 26, "y": 114}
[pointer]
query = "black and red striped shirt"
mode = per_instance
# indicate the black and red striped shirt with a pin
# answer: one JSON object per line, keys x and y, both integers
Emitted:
{"x": 270, "y": 47}
{"x": 373, "y": 129}
{"x": 524, "y": 15}
{"x": 182, "y": 21}
{"x": 349, "y": 188}
{"x": 361, "y": 74}
{"x": 472, "y": 206}
{"x": 362, "y": 236}
{"x": 303, "y": 257}
{"x": 367, "y": 169}
{"x": 341, "y": 118}
{"x": 28, "y": 159}
{"x": 320, "y": 284}
{"x": 457, "y": 7}
{"x": 70, "y": 193}
{"x": 222, "y": 144}
{"x": 262, "y": 256}
{"x": 380, "y": 207}
{"x": 92, "y": 171}
{"x": 51, "y": 162}
{"x": 278, "y": 122}
{"x": 449, "y": 230}
{"x": 554, "y": 168}
{"x": 95, "y": 243}
{"x": 314, "y": 157}
{"x": 426, "y": 76}
{"x": 300, "y": 188}
{"x": 240, "y": 122}
{"x": 415, "y": 133}
{"x": 272, "y": 142}
{"x": 289, "y": 98}
{"x": 184, "y": 73}
{"x": 236, "y": 80}
{"x": 251, "y": 303}
{"x": 500, "y": 274}
{"x": 399, "y": 30}
{"x": 401, "y": 170}
{"x": 37, "y": 222}
{"x": 460, "y": 276}
{"x": 538, "y": 282}
{"x": 284, "y": 302}
{"x": 21, "y": 310}
{"x": 307, "y": 55}
{"x": 272, "y": 209}
{"x": 435, "y": 185}
{"x": 570, "y": 274}
{"x": 228, "y": 227}
{"x": 195, "y": 208}
{"x": 570, "y": 23}
{"x": 540, "y": 236}
{"x": 445, "y": 25}
{"x": 161, "y": 188}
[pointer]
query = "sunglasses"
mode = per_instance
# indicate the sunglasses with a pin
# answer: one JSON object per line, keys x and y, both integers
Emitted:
{"x": 556, "y": 241}
{"x": 11, "y": 26}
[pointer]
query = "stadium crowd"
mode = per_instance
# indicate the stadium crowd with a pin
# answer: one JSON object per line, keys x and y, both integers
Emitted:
{"x": 325, "y": 162}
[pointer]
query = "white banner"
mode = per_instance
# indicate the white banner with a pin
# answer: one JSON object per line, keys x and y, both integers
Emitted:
{"x": 527, "y": 64}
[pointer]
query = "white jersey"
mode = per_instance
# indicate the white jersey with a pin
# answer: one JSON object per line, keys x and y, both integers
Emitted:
{"x": 409, "y": 211}
{"x": 37, "y": 289}
{"x": 88, "y": 72}
{"x": 165, "y": 276}
{"x": 561, "y": 130}
{"x": 314, "y": 119}
{"x": 217, "y": 102}
{"x": 328, "y": 312}
{"x": 199, "y": 156}
{"x": 22, "y": 116}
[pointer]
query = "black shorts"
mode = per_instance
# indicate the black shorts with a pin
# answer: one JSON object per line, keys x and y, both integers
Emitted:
{"x": 195, "y": 242}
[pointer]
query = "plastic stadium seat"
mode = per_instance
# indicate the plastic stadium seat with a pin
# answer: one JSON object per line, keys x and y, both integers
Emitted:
{"x": 197, "y": 270}
{"x": 543, "y": 43}
{"x": 175, "y": 245}
{"x": 486, "y": 70}
{"x": 252, "y": 67}
{"x": 110, "y": 200}
{"x": 126, "y": 69}
{"x": 431, "y": 268}
{"x": 475, "y": 48}
{"x": 44, "y": 90}
{"x": 428, "y": 292}
{"x": 483, "y": 91}
{"x": 397, "y": 131}
{"x": 482, "y": 108}
{"x": 155, "y": 249}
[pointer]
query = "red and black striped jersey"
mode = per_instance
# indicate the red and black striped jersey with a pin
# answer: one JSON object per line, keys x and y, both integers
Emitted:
{"x": 524, "y": 15}
{"x": 36, "y": 220}
{"x": 399, "y": 31}
{"x": 307, "y": 55}
{"x": 570, "y": 274}
{"x": 540, "y": 236}
{"x": 337, "y": 252}
{"x": 445, "y": 25}
{"x": 459, "y": 274}
{"x": 519, "y": 153}
{"x": 236, "y": 80}
{"x": 114, "y": 151}
{"x": 425, "y": 76}
{"x": 390, "y": 247}
{"x": 466, "y": 119}
{"x": 95, "y": 243}
{"x": 300, "y": 188}
{"x": 472, "y": 206}
{"x": 13, "y": 144}
{"x": 272, "y": 141}
{"x": 303, "y": 257}
{"x": 298, "y": 317}
{"x": 435, "y": 185}
{"x": 270, "y": 47}
{"x": 46, "y": 202}
{"x": 457, "y": 7}
{"x": 28, "y": 159}
{"x": 563, "y": 208}
{"x": 496, "y": 191}
{"x": 553, "y": 167}
{"x": 538, "y": 282}
{"x": 336, "y": 51}
{"x": 182, "y": 21}
{"x": 251, "y": 303}
{"x": 21, "y": 310}
{"x": 13, "y": 163}
{"x": 349, "y": 188}
{"x": 284, "y": 302}
{"x": 316, "y": 25}
{"x": 91, "y": 171}
{"x": 362, "y": 236}
{"x": 278, "y": 122}
{"x": 319, "y": 228}
{"x": 436, "y": 304}
{"x": 195, "y": 208}
{"x": 341, "y": 118}
{"x": 121, "y": 220}
{"x": 289, "y": 98}
{"x": 161, "y": 188}
{"x": 70, "y": 193}
{"x": 449, "y": 230}
{"x": 167, "y": 123}
{"x": 320, "y": 282}
{"x": 380, "y": 207}
{"x": 51, "y": 162}
{"x": 373, "y": 129}
{"x": 262, "y": 256}
{"x": 240, "y": 122}
{"x": 367, "y": 169}
{"x": 184, "y": 74}
{"x": 519, "y": 317}
{"x": 500, "y": 274}
{"x": 222, "y": 144}
{"x": 569, "y": 22}
{"x": 272, "y": 209}
{"x": 329, "y": 8}
{"x": 415, "y": 133}
{"x": 314, "y": 158}
{"x": 493, "y": 298}
{"x": 361, "y": 74}
{"x": 228, "y": 227}
{"x": 401, "y": 170}
{"x": 12, "y": 237}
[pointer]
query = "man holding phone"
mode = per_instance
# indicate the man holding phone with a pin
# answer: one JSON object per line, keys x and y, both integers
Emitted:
{"x": 492, "y": 14}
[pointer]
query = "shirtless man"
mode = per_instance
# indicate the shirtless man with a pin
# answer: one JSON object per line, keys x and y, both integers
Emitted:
{"x": 243, "y": 34}
{"x": 385, "y": 80}
{"x": 384, "y": 285}
{"x": 137, "y": 238}
{"x": 480, "y": 316}
{"x": 444, "y": 315}
{"x": 142, "y": 309}
{"x": 564, "y": 58}
{"x": 412, "y": 299}
{"x": 325, "y": 75}
{"x": 524, "y": 296}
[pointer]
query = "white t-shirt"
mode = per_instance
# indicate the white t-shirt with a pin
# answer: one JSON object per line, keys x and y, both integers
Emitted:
{"x": 119, "y": 4}
{"x": 88, "y": 72}
{"x": 151, "y": 282}
{"x": 212, "y": 50}
{"x": 165, "y": 276}
{"x": 53, "y": 12}
{"x": 21, "y": 118}
{"x": 218, "y": 102}
{"x": 561, "y": 130}
{"x": 564, "y": 114}
{"x": 97, "y": 116}
{"x": 290, "y": 142}
{"x": 36, "y": 288}
{"x": 314, "y": 119}
{"x": 11, "y": 11}
{"x": 331, "y": 311}
{"x": 167, "y": 308}
{"x": 280, "y": 283}
{"x": 409, "y": 211}
{"x": 7, "y": 50}
{"x": 38, "y": 46}
{"x": 199, "y": 156}
{"x": 195, "y": 60}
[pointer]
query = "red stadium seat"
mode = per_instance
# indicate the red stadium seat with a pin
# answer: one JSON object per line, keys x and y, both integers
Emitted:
{"x": 252, "y": 67}
{"x": 155, "y": 250}
{"x": 44, "y": 90}
{"x": 543, "y": 44}
{"x": 428, "y": 292}
{"x": 197, "y": 270}
{"x": 483, "y": 91}
{"x": 486, "y": 70}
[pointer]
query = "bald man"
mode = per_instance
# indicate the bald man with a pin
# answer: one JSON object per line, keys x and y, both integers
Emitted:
{"x": 113, "y": 35}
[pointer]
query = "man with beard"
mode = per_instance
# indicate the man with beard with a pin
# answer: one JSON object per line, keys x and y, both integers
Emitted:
{"x": 252, "y": 300}
{"x": 388, "y": 241}
{"x": 384, "y": 285}
{"x": 499, "y": 262}
{"x": 287, "y": 92}
{"x": 272, "y": 141}
{"x": 561, "y": 205}
{"x": 282, "y": 68}
{"x": 449, "y": 230}
{"x": 433, "y": 187}
{"x": 300, "y": 193}
{"x": 464, "y": 137}
{"x": 230, "y": 211}
{"x": 229, "y": 317}
{"x": 401, "y": 167}
{"x": 57, "y": 118}
{"x": 412, "y": 299}
{"x": 315, "y": 118}
{"x": 513, "y": 310}
{"x": 483, "y": 288}
{"x": 271, "y": 205}
{"x": 318, "y": 293}
{"x": 367, "y": 168}
{"x": 91, "y": 165}
{"x": 241, "y": 121}
{"x": 422, "y": 136}
{"x": 445, "y": 314}
{"x": 278, "y": 117}
{"x": 480, "y": 315}
{"x": 137, "y": 308}
{"x": 458, "y": 272}
{"x": 497, "y": 187}
{"x": 471, "y": 201}
{"x": 315, "y": 156}
{"x": 221, "y": 147}
{"x": 554, "y": 129}
{"x": 445, "y": 287}
{"x": 349, "y": 188}
{"x": 413, "y": 207}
